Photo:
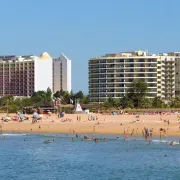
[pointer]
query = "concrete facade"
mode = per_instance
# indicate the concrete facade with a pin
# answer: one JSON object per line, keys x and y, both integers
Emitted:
{"x": 23, "y": 75}
{"x": 111, "y": 75}
{"x": 62, "y": 74}
{"x": 43, "y": 72}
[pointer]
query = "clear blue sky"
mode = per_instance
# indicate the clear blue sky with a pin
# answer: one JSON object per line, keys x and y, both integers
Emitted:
{"x": 87, "y": 28}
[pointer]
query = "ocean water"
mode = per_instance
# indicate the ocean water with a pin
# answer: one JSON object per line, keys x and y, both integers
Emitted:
{"x": 26, "y": 157}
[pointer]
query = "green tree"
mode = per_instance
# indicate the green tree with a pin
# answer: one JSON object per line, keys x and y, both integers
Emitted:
{"x": 146, "y": 103}
{"x": 79, "y": 95}
{"x": 109, "y": 103}
{"x": 66, "y": 98}
{"x": 175, "y": 102}
{"x": 38, "y": 96}
{"x": 42, "y": 96}
{"x": 6, "y": 100}
{"x": 157, "y": 102}
{"x": 27, "y": 102}
{"x": 85, "y": 99}
{"x": 126, "y": 102}
{"x": 137, "y": 91}
{"x": 59, "y": 94}
{"x": 112, "y": 103}
{"x": 13, "y": 108}
{"x": 48, "y": 95}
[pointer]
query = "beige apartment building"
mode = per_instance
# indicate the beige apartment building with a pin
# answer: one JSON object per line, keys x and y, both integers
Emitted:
{"x": 24, "y": 75}
{"x": 111, "y": 75}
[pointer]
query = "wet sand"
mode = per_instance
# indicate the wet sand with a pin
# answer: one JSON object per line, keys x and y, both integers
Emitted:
{"x": 105, "y": 124}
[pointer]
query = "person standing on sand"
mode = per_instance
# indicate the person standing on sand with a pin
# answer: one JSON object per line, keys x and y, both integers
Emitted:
{"x": 143, "y": 133}
{"x": 124, "y": 131}
{"x": 1, "y": 129}
{"x": 94, "y": 128}
{"x": 151, "y": 131}
{"x": 132, "y": 133}
{"x": 137, "y": 132}
{"x": 160, "y": 135}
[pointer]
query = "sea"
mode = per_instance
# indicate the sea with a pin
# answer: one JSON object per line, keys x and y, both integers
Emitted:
{"x": 30, "y": 157}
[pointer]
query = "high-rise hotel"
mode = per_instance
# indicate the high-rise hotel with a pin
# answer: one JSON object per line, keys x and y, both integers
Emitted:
{"x": 111, "y": 75}
{"x": 23, "y": 75}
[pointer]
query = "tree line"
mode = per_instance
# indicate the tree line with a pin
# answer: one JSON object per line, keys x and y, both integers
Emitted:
{"x": 41, "y": 98}
{"x": 136, "y": 97}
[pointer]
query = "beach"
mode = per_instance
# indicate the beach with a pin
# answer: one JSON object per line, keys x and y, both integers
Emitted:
{"x": 96, "y": 123}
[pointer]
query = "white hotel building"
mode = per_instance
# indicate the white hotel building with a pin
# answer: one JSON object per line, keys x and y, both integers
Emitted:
{"x": 111, "y": 75}
{"x": 23, "y": 75}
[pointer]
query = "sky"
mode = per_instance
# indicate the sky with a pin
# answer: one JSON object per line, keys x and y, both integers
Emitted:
{"x": 83, "y": 29}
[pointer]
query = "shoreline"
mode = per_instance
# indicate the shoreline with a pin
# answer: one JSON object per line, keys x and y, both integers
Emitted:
{"x": 97, "y": 135}
{"x": 155, "y": 134}
{"x": 102, "y": 124}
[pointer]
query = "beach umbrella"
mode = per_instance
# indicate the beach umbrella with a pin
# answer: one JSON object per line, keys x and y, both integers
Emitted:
{"x": 35, "y": 115}
{"x": 21, "y": 115}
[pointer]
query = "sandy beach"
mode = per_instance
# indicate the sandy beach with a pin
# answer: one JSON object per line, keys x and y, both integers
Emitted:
{"x": 102, "y": 124}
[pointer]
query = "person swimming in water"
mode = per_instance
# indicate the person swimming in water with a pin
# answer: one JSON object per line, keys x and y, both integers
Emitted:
{"x": 96, "y": 140}
{"x": 85, "y": 137}
{"x": 47, "y": 141}
{"x": 4, "y": 138}
{"x": 171, "y": 143}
